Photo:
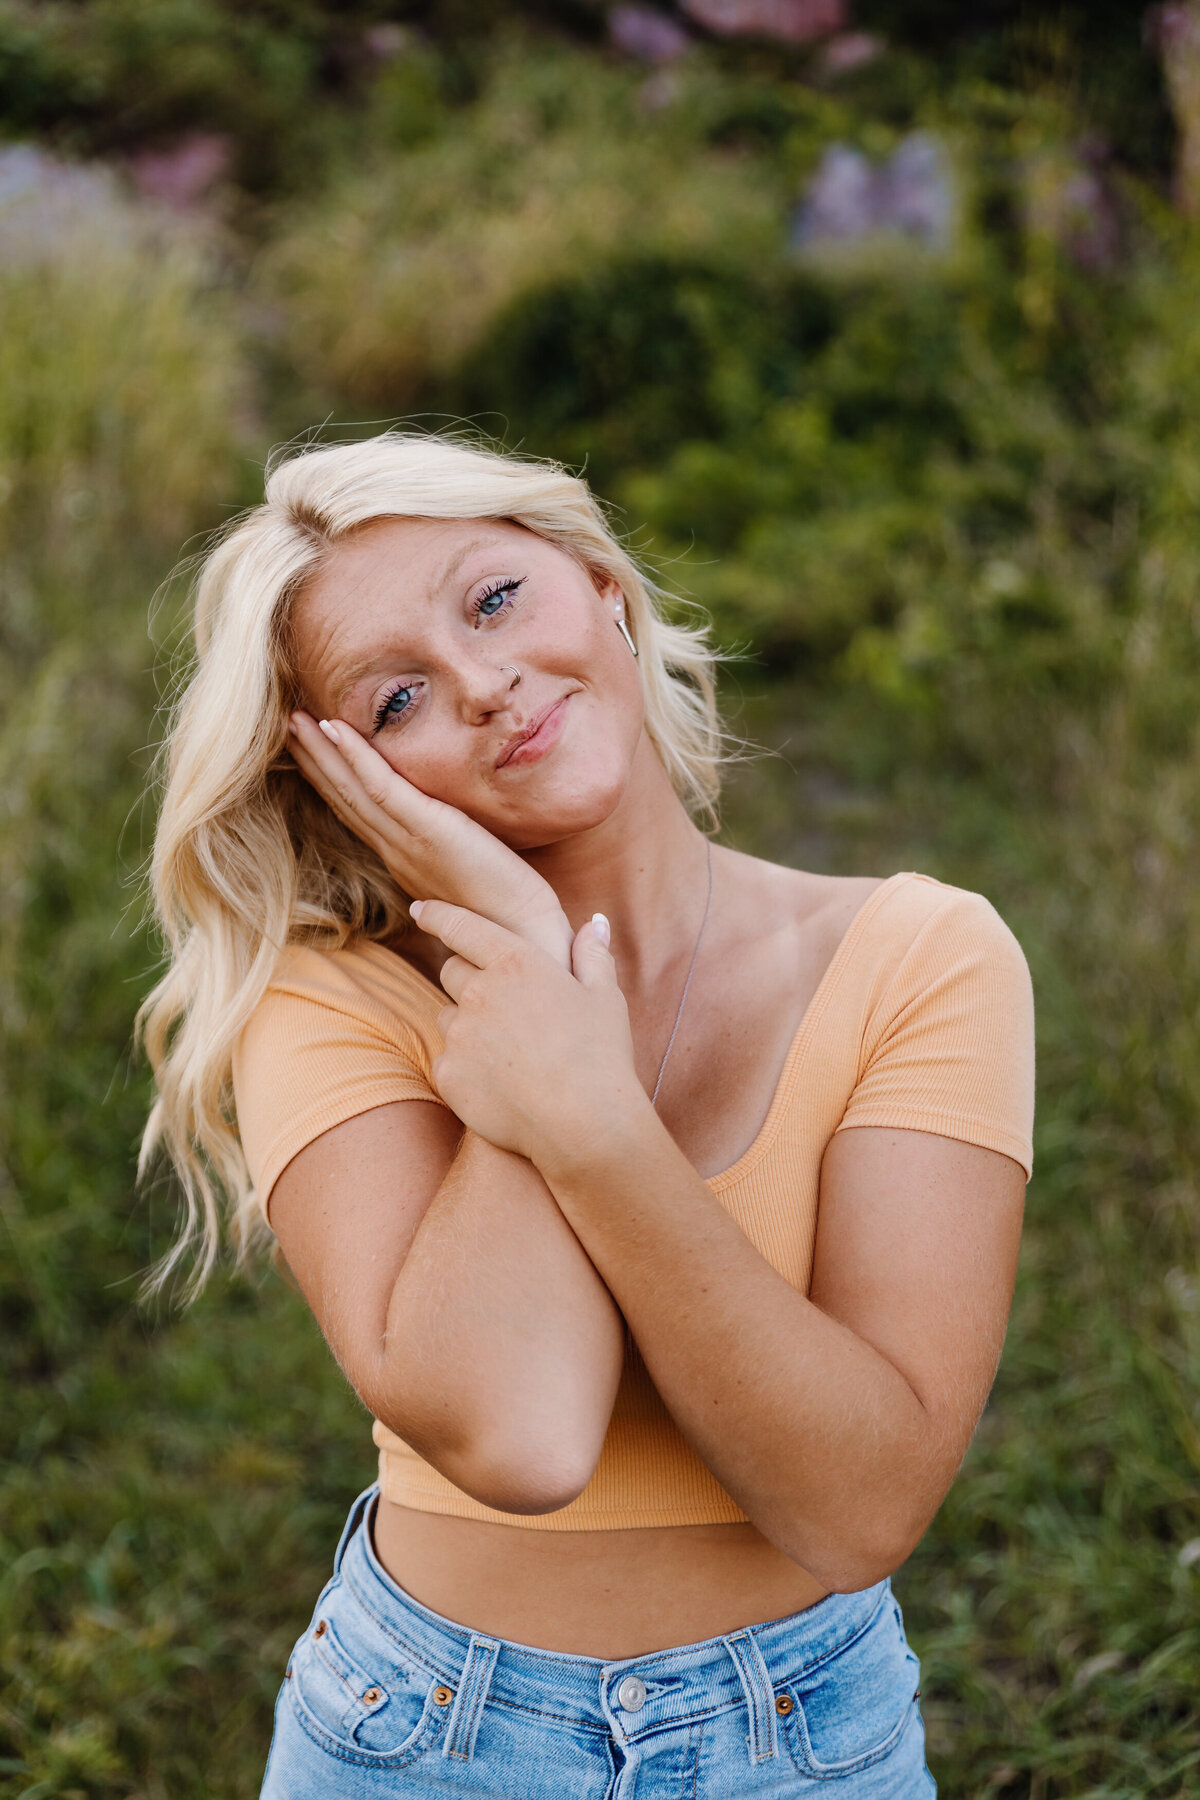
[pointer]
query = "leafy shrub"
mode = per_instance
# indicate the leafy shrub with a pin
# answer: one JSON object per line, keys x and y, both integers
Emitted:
{"x": 391, "y": 278}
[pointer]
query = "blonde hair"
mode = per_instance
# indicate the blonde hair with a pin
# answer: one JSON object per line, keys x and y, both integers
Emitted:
{"x": 247, "y": 857}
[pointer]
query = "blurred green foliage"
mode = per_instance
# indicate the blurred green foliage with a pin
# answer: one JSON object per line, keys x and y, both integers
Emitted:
{"x": 946, "y": 501}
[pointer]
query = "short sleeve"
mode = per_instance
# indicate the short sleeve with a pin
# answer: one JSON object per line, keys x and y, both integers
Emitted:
{"x": 948, "y": 1045}
{"x": 325, "y": 1043}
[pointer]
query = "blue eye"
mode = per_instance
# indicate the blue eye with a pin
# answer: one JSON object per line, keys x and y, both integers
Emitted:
{"x": 393, "y": 706}
{"x": 496, "y": 599}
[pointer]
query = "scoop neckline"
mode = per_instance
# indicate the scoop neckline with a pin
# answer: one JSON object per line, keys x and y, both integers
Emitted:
{"x": 761, "y": 1142}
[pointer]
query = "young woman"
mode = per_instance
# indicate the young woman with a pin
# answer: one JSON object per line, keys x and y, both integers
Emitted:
{"x": 661, "y": 1204}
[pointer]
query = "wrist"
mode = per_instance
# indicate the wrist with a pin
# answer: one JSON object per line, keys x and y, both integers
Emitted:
{"x": 594, "y": 1150}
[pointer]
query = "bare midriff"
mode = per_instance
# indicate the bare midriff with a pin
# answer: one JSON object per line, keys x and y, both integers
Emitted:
{"x": 611, "y": 1594}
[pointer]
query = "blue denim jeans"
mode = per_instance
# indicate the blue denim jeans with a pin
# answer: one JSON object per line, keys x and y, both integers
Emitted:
{"x": 384, "y": 1697}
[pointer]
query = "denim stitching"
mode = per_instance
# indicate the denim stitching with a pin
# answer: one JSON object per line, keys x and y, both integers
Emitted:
{"x": 759, "y": 1690}
{"x": 819, "y": 1662}
{"x": 474, "y": 1682}
{"x": 677, "y": 1721}
{"x": 399, "y": 1758}
{"x": 695, "y": 1739}
{"x": 318, "y": 1647}
{"x": 820, "y": 1771}
{"x": 396, "y": 1637}
{"x": 559, "y": 1663}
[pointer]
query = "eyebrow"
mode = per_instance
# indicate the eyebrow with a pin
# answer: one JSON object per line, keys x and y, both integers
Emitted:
{"x": 348, "y": 678}
{"x": 450, "y": 569}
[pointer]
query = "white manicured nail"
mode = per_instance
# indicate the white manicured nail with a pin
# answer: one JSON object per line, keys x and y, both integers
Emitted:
{"x": 331, "y": 731}
{"x": 415, "y": 909}
{"x": 601, "y": 928}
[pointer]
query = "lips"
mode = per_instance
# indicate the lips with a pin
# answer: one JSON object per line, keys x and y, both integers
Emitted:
{"x": 539, "y": 735}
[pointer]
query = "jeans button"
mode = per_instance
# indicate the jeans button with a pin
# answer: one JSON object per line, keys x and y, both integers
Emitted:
{"x": 631, "y": 1695}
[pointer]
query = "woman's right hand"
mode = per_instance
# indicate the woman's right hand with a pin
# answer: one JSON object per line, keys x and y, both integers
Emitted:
{"x": 433, "y": 851}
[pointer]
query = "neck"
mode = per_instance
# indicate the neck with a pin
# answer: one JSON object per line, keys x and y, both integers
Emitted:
{"x": 644, "y": 867}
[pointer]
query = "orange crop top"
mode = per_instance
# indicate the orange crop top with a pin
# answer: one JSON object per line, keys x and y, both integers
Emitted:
{"x": 923, "y": 1020}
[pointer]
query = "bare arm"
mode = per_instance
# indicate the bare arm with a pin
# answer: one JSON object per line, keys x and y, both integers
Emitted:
{"x": 446, "y": 1280}
{"x": 837, "y": 1420}
{"x": 457, "y": 1300}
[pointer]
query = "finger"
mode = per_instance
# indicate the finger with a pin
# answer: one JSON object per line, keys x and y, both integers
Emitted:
{"x": 468, "y": 934}
{"x": 322, "y": 764}
{"x": 454, "y": 974}
{"x": 445, "y": 1020}
{"x": 397, "y": 798}
{"x": 591, "y": 958}
{"x": 337, "y": 803}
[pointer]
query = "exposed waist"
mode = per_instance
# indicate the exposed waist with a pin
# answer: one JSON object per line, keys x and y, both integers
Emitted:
{"x": 521, "y": 1671}
{"x": 615, "y": 1593}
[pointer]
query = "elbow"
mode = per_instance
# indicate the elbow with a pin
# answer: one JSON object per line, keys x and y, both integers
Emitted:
{"x": 849, "y": 1570}
{"x": 525, "y": 1479}
{"x": 511, "y": 1473}
{"x": 523, "y": 1492}
{"x": 855, "y": 1554}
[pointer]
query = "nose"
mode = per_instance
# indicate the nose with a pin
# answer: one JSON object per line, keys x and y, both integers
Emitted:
{"x": 484, "y": 686}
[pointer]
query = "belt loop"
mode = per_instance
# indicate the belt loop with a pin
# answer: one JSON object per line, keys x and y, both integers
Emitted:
{"x": 760, "y": 1695}
{"x": 353, "y": 1521}
{"x": 473, "y": 1686}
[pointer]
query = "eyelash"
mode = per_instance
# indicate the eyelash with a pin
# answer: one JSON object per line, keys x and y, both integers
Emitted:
{"x": 500, "y": 587}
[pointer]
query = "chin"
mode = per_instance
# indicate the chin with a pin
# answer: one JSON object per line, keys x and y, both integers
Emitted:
{"x": 563, "y": 815}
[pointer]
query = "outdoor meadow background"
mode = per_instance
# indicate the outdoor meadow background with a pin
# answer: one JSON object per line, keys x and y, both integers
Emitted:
{"x": 880, "y": 320}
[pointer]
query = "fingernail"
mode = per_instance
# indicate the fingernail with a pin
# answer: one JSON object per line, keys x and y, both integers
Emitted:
{"x": 331, "y": 731}
{"x": 601, "y": 928}
{"x": 292, "y": 732}
{"x": 415, "y": 909}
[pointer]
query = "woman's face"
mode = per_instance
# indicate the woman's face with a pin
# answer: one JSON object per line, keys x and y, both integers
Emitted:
{"x": 411, "y": 632}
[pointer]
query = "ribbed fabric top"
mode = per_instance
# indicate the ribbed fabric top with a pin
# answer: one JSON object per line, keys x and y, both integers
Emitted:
{"x": 923, "y": 1021}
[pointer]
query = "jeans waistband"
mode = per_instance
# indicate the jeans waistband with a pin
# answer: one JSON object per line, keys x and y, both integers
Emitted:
{"x": 737, "y": 1668}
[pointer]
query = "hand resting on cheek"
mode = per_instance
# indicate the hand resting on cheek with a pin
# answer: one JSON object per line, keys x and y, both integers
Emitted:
{"x": 431, "y": 849}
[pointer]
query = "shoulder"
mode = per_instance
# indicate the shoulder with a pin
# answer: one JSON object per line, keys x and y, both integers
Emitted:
{"x": 926, "y": 943}
{"x": 917, "y": 910}
{"x": 361, "y": 988}
{"x": 942, "y": 1007}
{"x": 876, "y": 926}
{"x": 889, "y": 908}
{"x": 361, "y": 972}
{"x": 802, "y": 915}
{"x": 336, "y": 1033}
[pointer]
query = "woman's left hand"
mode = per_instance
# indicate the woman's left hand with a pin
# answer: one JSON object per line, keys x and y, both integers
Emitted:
{"x": 538, "y": 1060}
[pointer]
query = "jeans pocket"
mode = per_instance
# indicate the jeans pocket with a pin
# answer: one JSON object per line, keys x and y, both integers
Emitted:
{"x": 357, "y": 1695}
{"x": 850, "y": 1710}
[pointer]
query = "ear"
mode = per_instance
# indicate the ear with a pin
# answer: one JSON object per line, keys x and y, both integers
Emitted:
{"x": 610, "y": 592}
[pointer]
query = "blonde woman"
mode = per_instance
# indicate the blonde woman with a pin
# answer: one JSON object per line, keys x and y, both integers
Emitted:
{"x": 661, "y": 1204}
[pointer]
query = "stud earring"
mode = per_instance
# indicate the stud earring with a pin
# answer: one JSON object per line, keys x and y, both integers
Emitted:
{"x": 623, "y": 628}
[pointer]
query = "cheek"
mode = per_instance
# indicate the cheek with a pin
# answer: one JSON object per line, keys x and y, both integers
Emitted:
{"x": 432, "y": 760}
{"x": 440, "y": 780}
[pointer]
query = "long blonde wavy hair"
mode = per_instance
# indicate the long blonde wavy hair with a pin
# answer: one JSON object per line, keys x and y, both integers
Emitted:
{"x": 247, "y": 857}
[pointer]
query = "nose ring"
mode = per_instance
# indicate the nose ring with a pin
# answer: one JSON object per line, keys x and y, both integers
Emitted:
{"x": 516, "y": 680}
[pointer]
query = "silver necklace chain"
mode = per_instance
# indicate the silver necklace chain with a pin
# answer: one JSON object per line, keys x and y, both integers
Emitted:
{"x": 662, "y": 1067}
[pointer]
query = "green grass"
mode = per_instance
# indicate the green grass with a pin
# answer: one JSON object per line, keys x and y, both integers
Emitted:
{"x": 951, "y": 508}
{"x": 1058, "y": 1626}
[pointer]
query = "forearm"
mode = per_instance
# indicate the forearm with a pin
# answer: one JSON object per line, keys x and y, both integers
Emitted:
{"x": 502, "y": 1348}
{"x": 819, "y": 1438}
